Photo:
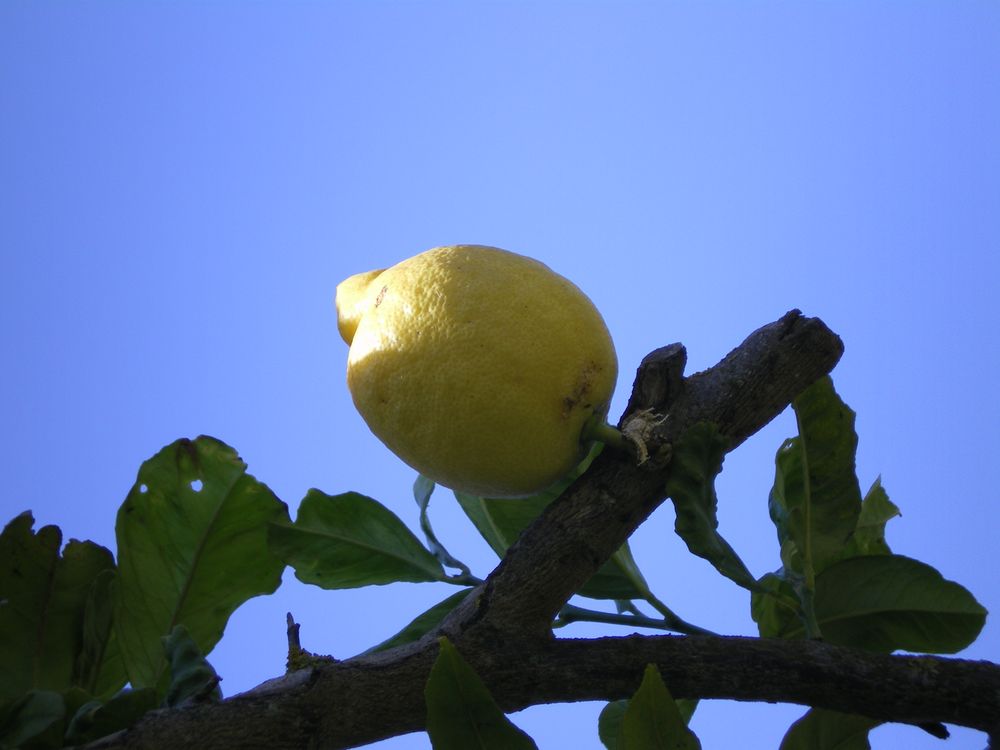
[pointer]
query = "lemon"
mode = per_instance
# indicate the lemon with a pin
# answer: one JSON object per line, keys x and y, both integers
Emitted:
{"x": 476, "y": 366}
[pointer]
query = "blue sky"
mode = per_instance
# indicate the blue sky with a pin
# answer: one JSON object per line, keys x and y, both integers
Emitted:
{"x": 184, "y": 184}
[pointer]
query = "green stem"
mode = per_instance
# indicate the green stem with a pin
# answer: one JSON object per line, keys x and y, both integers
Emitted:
{"x": 462, "y": 579}
{"x": 597, "y": 429}
{"x": 571, "y": 613}
{"x": 674, "y": 622}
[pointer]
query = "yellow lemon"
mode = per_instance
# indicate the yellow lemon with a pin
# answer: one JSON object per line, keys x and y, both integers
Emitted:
{"x": 477, "y": 366}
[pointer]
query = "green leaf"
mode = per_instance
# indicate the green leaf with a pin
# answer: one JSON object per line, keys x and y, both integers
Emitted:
{"x": 816, "y": 500}
{"x": 819, "y": 729}
{"x": 879, "y": 603}
{"x": 30, "y": 717}
{"x": 686, "y": 707}
{"x": 192, "y": 543}
{"x": 423, "y": 488}
{"x": 43, "y": 598}
{"x": 610, "y": 721}
{"x": 461, "y": 713}
{"x": 99, "y": 667}
{"x": 869, "y": 534}
{"x": 423, "y": 623}
{"x": 501, "y": 521}
{"x": 889, "y": 602}
{"x": 770, "y": 607}
{"x": 696, "y": 461}
{"x": 652, "y": 720}
{"x": 192, "y": 678}
{"x": 618, "y": 578}
{"x": 346, "y": 541}
{"x": 95, "y": 719}
{"x": 774, "y": 618}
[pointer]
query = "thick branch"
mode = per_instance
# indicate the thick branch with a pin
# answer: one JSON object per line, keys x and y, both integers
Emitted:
{"x": 566, "y": 545}
{"x": 503, "y": 628}
{"x": 360, "y": 701}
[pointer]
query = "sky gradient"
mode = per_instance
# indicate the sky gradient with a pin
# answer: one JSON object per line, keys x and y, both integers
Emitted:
{"x": 184, "y": 184}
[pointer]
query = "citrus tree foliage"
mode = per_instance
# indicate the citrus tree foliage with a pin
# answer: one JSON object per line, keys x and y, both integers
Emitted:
{"x": 89, "y": 643}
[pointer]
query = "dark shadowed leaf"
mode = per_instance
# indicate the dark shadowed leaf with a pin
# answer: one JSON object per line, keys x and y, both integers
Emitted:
{"x": 879, "y": 603}
{"x": 889, "y": 602}
{"x": 819, "y": 729}
{"x": 610, "y": 721}
{"x": 618, "y": 578}
{"x": 43, "y": 600}
{"x": 696, "y": 461}
{"x": 686, "y": 707}
{"x": 34, "y": 715}
{"x": 423, "y": 623}
{"x": 192, "y": 678}
{"x": 652, "y": 720}
{"x": 96, "y": 719}
{"x": 192, "y": 544}
{"x": 461, "y": 713}
{"x": 816, "y": 500}
{"x": 346, "y": 541}
{"x": 99, "y": 668}
{"x": 771, "y": 607}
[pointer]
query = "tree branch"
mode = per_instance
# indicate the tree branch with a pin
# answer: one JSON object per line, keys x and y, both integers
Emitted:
{"x": 575, "y": 535}
{"x": 366, "y": 699}
{"x": 503, "y": 628}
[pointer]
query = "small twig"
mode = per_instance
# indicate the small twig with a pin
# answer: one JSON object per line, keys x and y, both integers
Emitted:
{"x": 294, "y": 646}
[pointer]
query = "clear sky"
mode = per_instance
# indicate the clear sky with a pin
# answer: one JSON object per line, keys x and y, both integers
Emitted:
{"x": 182, "y": 185}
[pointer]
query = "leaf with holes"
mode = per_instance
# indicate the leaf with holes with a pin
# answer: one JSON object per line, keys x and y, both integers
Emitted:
{"x": 346, "y": 541}
{"x": 461, "y": 713}
{"x": 192, "y": 546}
{"x": 43, "y": 602}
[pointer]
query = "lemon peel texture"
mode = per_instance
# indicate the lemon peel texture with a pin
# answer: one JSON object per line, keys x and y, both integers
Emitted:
{"x": 476, "y": 366}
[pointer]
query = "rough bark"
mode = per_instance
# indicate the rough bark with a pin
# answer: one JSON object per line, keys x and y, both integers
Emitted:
{"x": 503, "y": 627}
